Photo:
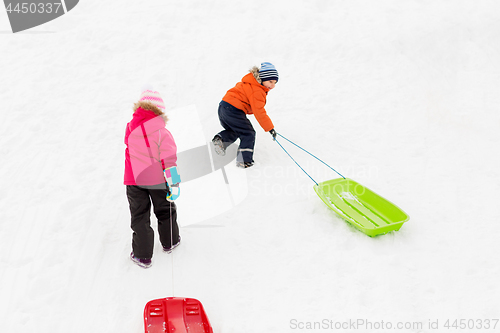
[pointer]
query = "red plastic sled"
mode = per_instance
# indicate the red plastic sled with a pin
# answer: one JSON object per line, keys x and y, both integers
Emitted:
{"x": 176, "y": 314}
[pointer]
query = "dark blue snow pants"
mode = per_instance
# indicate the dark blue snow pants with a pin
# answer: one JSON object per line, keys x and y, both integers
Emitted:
{"x": 236, "y": 125}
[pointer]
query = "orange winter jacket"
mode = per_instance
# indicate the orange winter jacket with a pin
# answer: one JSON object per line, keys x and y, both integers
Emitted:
{"x": 250, "y": 96}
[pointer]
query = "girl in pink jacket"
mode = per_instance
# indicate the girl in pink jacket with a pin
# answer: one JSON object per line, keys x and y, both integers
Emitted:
{"x": 150, "y": 150}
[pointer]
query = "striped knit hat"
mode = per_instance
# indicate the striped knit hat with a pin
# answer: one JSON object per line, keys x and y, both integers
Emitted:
{"x": 152, "y": 96}
{"x": 268, "y": 72}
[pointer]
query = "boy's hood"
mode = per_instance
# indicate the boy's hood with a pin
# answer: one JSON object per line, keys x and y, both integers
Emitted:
{"x": 254, "y": 78}
{"x": 255, "y": 72}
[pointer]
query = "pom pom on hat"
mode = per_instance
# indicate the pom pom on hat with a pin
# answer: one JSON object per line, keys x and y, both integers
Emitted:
{"x": 268, "y": 72}
{"x": 150, "y": 95}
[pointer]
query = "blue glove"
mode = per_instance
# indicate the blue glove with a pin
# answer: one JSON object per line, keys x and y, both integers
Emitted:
{"x": 174, "y": 192}
{"x": 172, "y": 178}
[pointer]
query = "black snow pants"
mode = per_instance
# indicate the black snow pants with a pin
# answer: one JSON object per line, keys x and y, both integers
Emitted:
{"x": 140, "y": 198}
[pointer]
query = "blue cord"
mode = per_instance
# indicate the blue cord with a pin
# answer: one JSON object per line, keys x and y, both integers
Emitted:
{"x": 309, "y": 154}
{"x": 295, "y": 160}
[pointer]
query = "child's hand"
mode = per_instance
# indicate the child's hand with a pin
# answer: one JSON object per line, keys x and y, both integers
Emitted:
{"x": 174, "y": 192}
{"x": 172, "y": 176}
{"x": 273, "y": 133}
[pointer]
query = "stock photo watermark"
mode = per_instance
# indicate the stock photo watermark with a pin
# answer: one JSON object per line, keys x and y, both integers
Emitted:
{"x": 24, "y": 15}
{"x": 491, "y": 324}
{"x": 295, "y": 182}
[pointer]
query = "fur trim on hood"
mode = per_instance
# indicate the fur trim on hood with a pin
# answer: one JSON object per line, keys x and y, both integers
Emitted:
{"x": 151, "y": 107}
{"x": 255, "y": 71}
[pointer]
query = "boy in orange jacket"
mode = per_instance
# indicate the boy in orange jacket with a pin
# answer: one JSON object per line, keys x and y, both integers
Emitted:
{"x": 247, "y": 97}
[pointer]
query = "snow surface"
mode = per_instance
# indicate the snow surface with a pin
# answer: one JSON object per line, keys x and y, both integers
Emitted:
{"x": 401, "y": 96}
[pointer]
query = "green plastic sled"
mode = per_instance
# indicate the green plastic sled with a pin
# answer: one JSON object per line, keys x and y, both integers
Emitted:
{"x": 361, "y": 207}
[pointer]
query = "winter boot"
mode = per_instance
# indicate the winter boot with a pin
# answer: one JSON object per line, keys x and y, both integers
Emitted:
{"x": 244, "y": 164}
{"x": 144, "y": 263}
{"x": 219, "y": 145}
{"x": 170, "y": 249}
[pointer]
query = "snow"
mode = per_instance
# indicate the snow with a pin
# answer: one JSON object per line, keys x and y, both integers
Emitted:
{"x": 400, "y": 96}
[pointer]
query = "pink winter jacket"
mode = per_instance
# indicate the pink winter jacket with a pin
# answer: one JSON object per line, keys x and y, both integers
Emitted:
{"x": 150, "y": 149}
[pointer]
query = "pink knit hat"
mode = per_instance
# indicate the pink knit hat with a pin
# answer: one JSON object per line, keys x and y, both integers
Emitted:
{"x": 154, "y": 97}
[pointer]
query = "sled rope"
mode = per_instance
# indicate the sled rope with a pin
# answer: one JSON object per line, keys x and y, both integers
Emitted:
{"x": 295, "y": 161}
{"x": 296, "y": 145}
{"x": 171, "y": 244}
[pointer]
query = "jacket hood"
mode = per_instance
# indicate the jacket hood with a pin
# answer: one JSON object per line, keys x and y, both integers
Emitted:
{"x": 255, "y": 72}
{"x": 254, "y": 79}
{"x": 146, "y": 105}
{"x": 151, "y": 121}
